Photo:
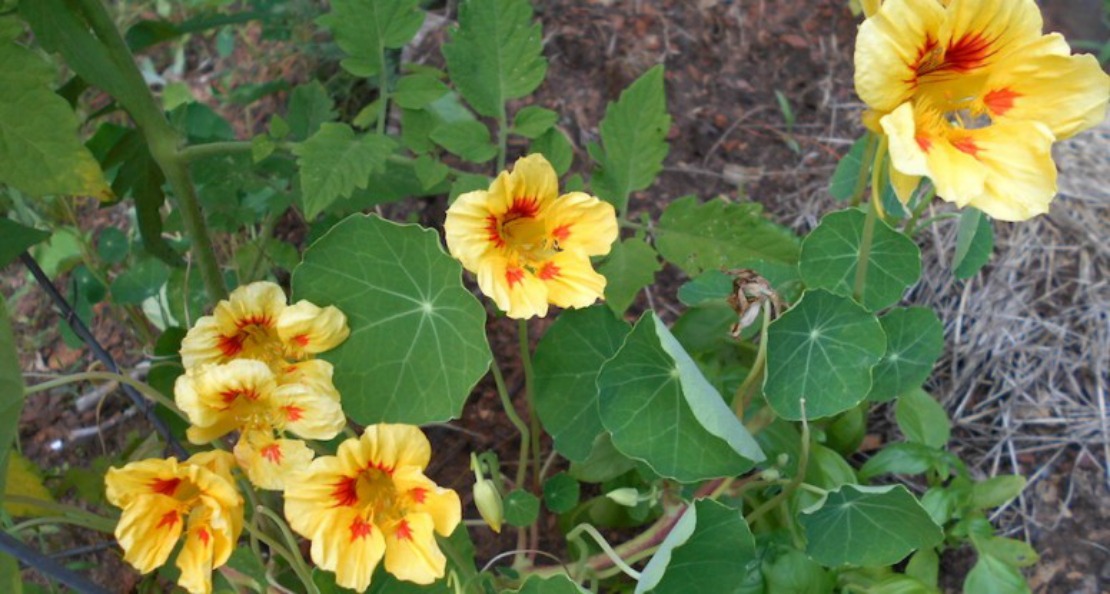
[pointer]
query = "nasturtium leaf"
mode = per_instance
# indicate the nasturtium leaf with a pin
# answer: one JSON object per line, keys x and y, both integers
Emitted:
{"x": 914, "y": 341}
{"x": 793, "y": 572}
{"x": 710, "y": 549}
{"x": 533, "y": 120}
{"x": 415, "y": 91}
{"x": 418, "y": 342}
{"x": 40, "y": 153}
{"x": 633, "y": 140}
{"x": 822, "y": 350}
{"x": 557, "y": 584}
{"x": 867, "y": 526}
{"x": 922, "y": 419}
{"x": 16, "y": 239}
{"x": 554, "y": 145}
{"x": 974, "y": 242}
{"x": 848, "y": 170}
{"x": 521, "y": 508}
{"x": 560, "y": 493}
{"x": 661, "y": 410}
{"x": 310, "y": 106}
{"x": 711, "y": 285}
{"x": 468, "y": 139}
{"x": 365, "y": 29}
{"x": 333, "y": 162}
{"x": 718, "y": 235}
{"x": 495, "y": 54}
{"x": 993, "y": 576}
{"x": 603, "y": 463}
{"x": 566, "y": 365}
{"x": 11, "y": 391}
{"x": 630, "y": 267}
{"x": 139, "y": 282}
{"x": 830, "y": 255}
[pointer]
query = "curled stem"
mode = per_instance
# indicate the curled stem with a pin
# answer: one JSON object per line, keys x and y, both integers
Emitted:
{"x": 618, "y": 562}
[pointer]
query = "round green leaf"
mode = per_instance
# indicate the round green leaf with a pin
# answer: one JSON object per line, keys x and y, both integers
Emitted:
{"x": 111, "y": 245}
{"x": 661, "y": 410}
{"x": 822, "y": 350}
{"x": 566, "y": 364}
{"x": 830, "y": 255}
{"x": 521, "y": 508}
{"x": 867, "y": 526}
{"x": 418, "y": 342}
{"x": 141, "y": 281}
{"x": 560, "y": 493}
{"x": 914, "y": 341}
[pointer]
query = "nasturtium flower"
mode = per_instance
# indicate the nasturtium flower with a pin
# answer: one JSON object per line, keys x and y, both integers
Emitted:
{"x": 529, "y": 246}
{"x": 162, "y": 499}
{"x": 246, "y": 395}
{"x": 372, "y": 501}
{"x": 971, "y": 94}
{"x": 255, "y": 323}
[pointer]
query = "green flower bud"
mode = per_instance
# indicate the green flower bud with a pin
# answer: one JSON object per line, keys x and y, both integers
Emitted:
{"x": 626, "y": 496}
{"x": 488, "y": 501}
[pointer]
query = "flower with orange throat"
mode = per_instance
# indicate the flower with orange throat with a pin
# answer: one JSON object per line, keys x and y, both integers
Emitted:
{"x": 164, "y": 499}
{"x": 255, "y": 323}
{"x": 372, "y": 501}
{"x": 971, "y": 95}
{"x": 246, "y": 395}
{"x": 528, "y": 245}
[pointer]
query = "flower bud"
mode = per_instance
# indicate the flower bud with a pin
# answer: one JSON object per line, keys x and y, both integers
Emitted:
{"x": 488, "y": 501}
{"x": 626, "y": 496}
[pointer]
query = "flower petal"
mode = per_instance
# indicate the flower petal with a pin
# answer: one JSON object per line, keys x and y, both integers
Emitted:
{"x": 218, "y": 398}
{"x": 267, "y": 461}
{"x": 305, "y": 328}
{"x": 921, "y": 144}
{"x": 531, "y": 186}
{"x": 571, "y": 281}
{"x": 1021, "y": 176}
{"x": 888, "y": 48}
{"x": 308, "y": 413}
{"x": 148, "y": 530}
{"x": 581, "y": 223}
{"x": 394, "y": 446}
{"x": 411, "y": 552}
{"x": 471, "y": 229}
{"x": 514, "y": 288}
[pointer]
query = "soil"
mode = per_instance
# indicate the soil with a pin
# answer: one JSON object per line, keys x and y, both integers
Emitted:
{"x": 725, "y": 61}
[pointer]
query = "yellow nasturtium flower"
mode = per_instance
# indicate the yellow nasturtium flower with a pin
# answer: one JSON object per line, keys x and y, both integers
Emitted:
{"x": 971, "y": 94}
{"x": 245, "y": 395}
{"x": 371, "y": 500}
{"x": 255, "y": 323}
{"x": 528, "y": 245}
{"x": 162, "y": 499}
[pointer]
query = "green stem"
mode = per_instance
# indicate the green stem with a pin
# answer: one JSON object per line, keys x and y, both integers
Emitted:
{"x": 502, "y": 138}
{"x": 869, "y": 224}
{"x": 944, "y": 216}
{"x": 163, "y": 141}
{"x": 529, "y": 397}
{"x": 213, "y": 149}
{"x": 861, "y": 179}
{"x": 744, "y": 393}
{"x": 143, "y": 389}
{"x": 618, "y": 562}
{"x": 266, "y": 233}
{"x": 296, "y": 562}
{"x": 468, "y": 571}
{"x": 514, "y": 418}
{"x": 911, "y": 225}
{"x": 72, "y": 514}
{"x": 799, "y": 476}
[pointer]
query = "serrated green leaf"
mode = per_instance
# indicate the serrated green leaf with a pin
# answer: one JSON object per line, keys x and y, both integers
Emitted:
{"x": 418, "y": 343}
{"x": 830, "y": 255}
{"x": 416, "y": 91}
{"x": 366, "y": 28}
{"x": 914, "y": 341}
{"x": 718, "y": 235}
{"x": 847, "y": 174}
{"x": 262, "y": 146}
{"x": 16, "y": 239}
{"x": 532, "y": 121}
{"x": 710, "y": 548}
{"x": 566, "y": 365}
{"x": 468, "y": 139}
{"x": 867, "y": 526}
{"x": 495, "y": 54}
{"x": 822, "y": 350}
{"x": 11, "y": 392}
{"x": 661, "y": 410}
{"x": 633, "y": 140}
{"x": 630, "y": 267}
{"x": 139, "y": 282}
{"x": 974, "y": 243}
{"x": 554, "y": 145}
{"x": 429, "y": 171}
{"x": 560, "y": 493}
{"x": 40, "y": 153}
{"x": 333, "y": 162}
{"x": 521, "y": 508}
{"x": 992, "y": 576}
{"x": 922, "y": 419}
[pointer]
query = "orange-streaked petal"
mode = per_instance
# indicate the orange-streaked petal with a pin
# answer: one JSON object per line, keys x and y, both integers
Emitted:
{"x": 1021, "y": 176}
{"x": 471, "y": 229}
{"x": 218, "y": 398}
{"x": 514, "y": 288}
{"x": 571, "y": 281}
{"x": 889, "y": 48}
{"x": 394, "y": 446}
{"x": 256, "y": 304}
{"x": 148, "y": 530}
{"x": 268, "y": 461}
{"x": 422, "y": 495}
{"x": 308, "y": 413}
{"x": 921, "y": 144}
{"x": 581, "y": 223}
{"x": 411, "y": 552}
{"x": 307, "y": 329}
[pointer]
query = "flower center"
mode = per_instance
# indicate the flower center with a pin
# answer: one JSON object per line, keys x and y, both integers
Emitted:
{"x": 378, "y": 495}
{"x": 525, "y": 235}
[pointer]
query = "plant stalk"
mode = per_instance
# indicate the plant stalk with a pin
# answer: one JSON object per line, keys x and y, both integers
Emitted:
{"x": 869, "y": 224}
{"x": 529, "y": 397}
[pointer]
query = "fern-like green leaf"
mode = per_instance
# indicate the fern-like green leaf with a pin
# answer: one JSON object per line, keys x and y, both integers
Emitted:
{"x": 333, "y": 162}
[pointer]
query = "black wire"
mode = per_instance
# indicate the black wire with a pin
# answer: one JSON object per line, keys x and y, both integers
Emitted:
{"x": 67, "y": 312}
{"x": 47, "y": 566}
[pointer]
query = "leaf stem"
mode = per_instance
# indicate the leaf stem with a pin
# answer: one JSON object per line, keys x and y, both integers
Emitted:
{"x": 70, "y": 513}
{"x": 502, "y": 138}
{"x": 744, "y": 393}
{"x": 799, "y": 476}
{"x": 529, "y": 398}
{"x": 861, "y": 179}
{"x": 864, "y": 257}
{"x": 575, "y": 535}
{"x": 911, "y": 226}
{"x": 296, "y": 562}
{"x": 145, "y": 390}
{"x": 514, "y": 418}
{"x": 213, "y": 149}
